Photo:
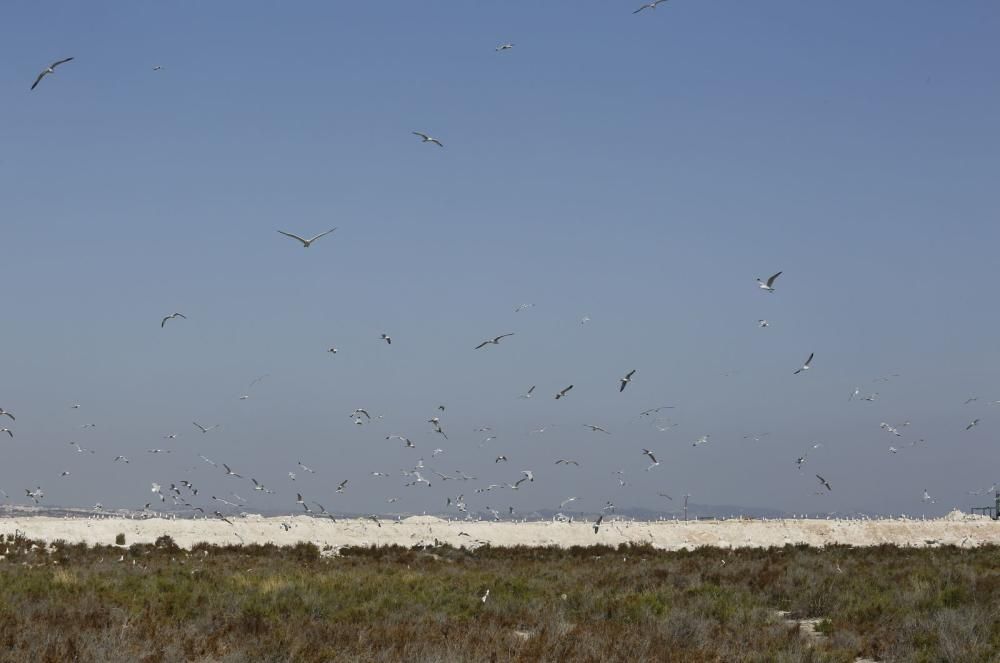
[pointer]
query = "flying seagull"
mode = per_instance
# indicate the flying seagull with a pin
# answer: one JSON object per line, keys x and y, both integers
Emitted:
{"x": 306, "y": 242}
{"x": 972, "y": 424}
{"x": 563, "y": 461}
{"x": 805, "y": 366}
{"x": 4, "y": 412}
{"x": 525, "y": 395}
{"x": 171, "y": 317}
{"x": 202, "y": 428}
{"x": 625, "y": 380}
{"x": 387, "y": 339}
{"x": 596, "y": 429}
{"x": 824, "y": 482}
{"x": 8, "y": 431}
{"x": 651, "y": 5}
{"x": 654, "y": 410}
{"x": 763, "y": 323}
{"x": 647, "y": 452}
{"x": 505, "y": 47}
{"x": 428, "y": 139}
{"x": 51, "y": 69}
{"x": 230, "y": 473}
{"x": 563, "y": 392}
{"x": 494, "y": 341}
{"x": 769, "y": 284}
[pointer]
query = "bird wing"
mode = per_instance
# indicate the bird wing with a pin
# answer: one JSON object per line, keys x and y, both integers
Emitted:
{"x": 436, "y": 142}
{"x": 809, "y": 361}
{"x": 628, "y": 376}
{"x": 39, "y": 79}
{"x": 422, "y": 135}
{"x": 497, "y": 339}
{"x": 59, "y": 62}
{"x": 640, "y": 9}
{"x": 482, "y": 345}
{"x": 771, "y": 280}
{"x": 322, "y": 234}
{"x": 624, "y": 382}
{"x": 566, "y": 390}
{"x": 200, "y": 427}
{"x": 164, "y": 321}
{"x": 293, "y": 236}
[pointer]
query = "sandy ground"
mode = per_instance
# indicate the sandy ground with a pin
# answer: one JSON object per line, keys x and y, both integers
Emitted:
{"x": 956, "y": 529}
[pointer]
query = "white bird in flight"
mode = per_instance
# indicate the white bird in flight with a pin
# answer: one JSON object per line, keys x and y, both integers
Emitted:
{"x": 596, "y": 429}
{"x": 202, "y": 428}
{"x": 4, "y": 412}
{"x": 763, "y": 323}
{"x": 805, "y": 366}
{"x": 51, "y": 69}
{"x": 769, "y": 284}
{"x": 494, "y": 341}
{"x": 625, "y": 380}
{"x": 505, "y": 47}
{"x": 972, "y": 424}
{"x": 306, "y": 242}
{"x": 651, "y": 5}
{"x": 428, "y": 139}
{"x": 647, "y": 452}
{"x": 563, "y": 392}
{"x": 528, "y": 393}
{"x": 8, "y": 431}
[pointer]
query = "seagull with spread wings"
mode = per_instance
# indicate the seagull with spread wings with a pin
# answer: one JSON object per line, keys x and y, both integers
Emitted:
{"x": 51, "y": 69}
{"x": 825, "y": 483}
{"x": 805, "y": 366}
{"x": 563, "y": 392}
{"x": 651, "y": 5}
{"x": 769, "y": 284}
{"x": 428, "y": 139}
{"x": 171, "y": 317}
{"x": 494, "y": 341}
{"x": 625, "y": 380}
{"x": 203, "y": 429}
{"x": 306, "y": 243}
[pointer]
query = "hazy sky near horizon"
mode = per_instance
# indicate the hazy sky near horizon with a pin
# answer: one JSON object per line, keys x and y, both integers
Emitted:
{"x": 641, "y": 170}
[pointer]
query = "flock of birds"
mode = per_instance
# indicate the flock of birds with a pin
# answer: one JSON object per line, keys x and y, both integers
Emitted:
{"x": 183, "y": 495}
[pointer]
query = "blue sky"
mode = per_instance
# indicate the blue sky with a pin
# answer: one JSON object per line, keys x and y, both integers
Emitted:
{"x": 638, "y": 169}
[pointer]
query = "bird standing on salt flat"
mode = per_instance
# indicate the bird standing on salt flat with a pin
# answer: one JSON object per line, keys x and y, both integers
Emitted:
{"x": 625, "y": 380}
{"x": 51, "y": 69}
{"x": 306, "y": 243}
{"x": 769, "y": 284}
{"x": 428, "y": 139}
{"x": 805, "y": 366}
{"x": 171, "y": 317}
{"x": 651, "y": 5}
{"x": 494, "y": 341}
